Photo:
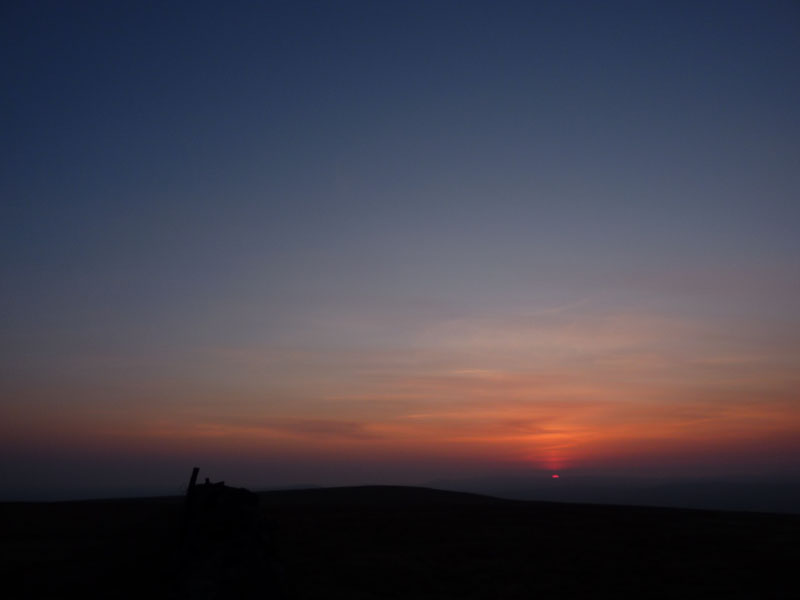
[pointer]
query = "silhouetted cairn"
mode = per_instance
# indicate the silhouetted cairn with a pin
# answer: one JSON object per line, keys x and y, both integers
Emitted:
{"x": 223, "y": 553}
{"x": 219, "y": 513}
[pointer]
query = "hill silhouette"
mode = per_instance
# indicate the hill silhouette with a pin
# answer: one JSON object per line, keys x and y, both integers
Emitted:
{"x": 374, "y": 495}
{"x": 400, "y": 542}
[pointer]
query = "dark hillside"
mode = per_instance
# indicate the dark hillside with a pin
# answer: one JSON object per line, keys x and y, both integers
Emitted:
{"x": 391, "y": 542}
{"x": 114, "y": 547}
{"x": 479, "y": 547}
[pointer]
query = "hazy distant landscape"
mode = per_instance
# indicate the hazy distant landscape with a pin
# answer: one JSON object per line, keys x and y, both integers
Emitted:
{"x": 770, "y": 495}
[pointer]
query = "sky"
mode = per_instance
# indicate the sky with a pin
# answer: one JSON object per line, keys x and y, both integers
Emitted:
{"x": 386, "y": 242}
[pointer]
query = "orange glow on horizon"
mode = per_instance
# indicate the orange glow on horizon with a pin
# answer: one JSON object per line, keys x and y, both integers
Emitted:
{"x": 612, "y": 408}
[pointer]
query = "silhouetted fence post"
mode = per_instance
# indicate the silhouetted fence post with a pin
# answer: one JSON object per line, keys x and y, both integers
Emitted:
{"x": 189, "y": 504}
{"x": 192, "y": 481}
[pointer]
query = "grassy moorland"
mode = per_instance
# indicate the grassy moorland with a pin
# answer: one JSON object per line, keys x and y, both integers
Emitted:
{"x": 395, "y": 542}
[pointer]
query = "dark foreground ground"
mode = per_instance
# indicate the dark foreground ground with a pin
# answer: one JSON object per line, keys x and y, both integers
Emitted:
{"x": 387, "y": 542}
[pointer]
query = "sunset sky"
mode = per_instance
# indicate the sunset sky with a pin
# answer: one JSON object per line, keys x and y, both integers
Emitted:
{"x": 389, "y": 242}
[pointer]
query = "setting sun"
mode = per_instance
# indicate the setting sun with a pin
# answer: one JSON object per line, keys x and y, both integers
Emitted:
{"x": 336, "y": 242}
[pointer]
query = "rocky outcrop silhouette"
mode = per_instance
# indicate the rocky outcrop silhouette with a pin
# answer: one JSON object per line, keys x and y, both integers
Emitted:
{"x": 223, "y": 551}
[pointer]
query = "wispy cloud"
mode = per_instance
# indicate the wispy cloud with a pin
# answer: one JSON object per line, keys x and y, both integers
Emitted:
{"x": 319, "y": 428}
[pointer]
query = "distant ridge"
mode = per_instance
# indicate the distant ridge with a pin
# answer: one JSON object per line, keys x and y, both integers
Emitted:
{"x": 375, "y": 495}
{"x": 756, "y": 496}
